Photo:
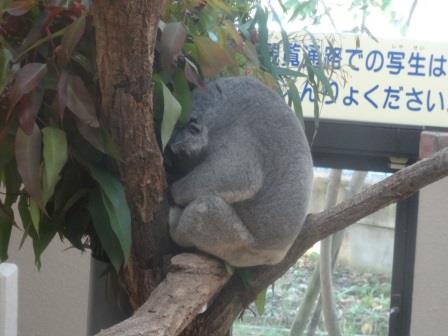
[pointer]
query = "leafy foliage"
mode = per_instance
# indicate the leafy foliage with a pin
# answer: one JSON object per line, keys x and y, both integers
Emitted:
{"x": 55, "y": 159}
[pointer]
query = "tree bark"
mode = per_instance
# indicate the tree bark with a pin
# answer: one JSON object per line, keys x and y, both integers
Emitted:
{"x": 125, "y": 40}
{"x": 190, "y": 284}
{"x": 236, "y": 295}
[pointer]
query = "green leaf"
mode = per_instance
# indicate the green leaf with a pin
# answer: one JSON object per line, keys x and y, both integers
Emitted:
{"x": 5, "y": 234}
{"x": 12, "y": 182}
{"x": 41, "y": 41}
{"x": 80, "y": 101}
{"x": 211, "y": 56}
{"x": 25, "y": 217}
{"x": 296, "y": 101}
{"x": 183, "y": 94}
{"x": 229, "y": 28}
{"x": 19, "y": 7}
{"x": 55, "y": 157}
{"x": 76, "y": 225}
{"x": 6, "y": 151}
{"x": 261, "y": 18}
{"x": 47, "y": 231}
{"x": 71, "y": 38}
{"x": 260, "y": 302}
{"x": 5, "y": 59}
{"x": 285, "y": 39}
{"x": 28, "y": 157}
{"x": 102, "y": 225}
{"x": 219, "y": 5}
{"x": 35, "y": 216}
{"x": 116, "y": 206}
{"x": 171, "y": 113}
{"x": 84, "y": 62}
{"x": 289, "y": 72}
{"x": 99, "y": 139}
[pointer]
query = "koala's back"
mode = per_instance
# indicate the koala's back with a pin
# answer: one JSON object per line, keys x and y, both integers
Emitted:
{"x": 244, "y": 105}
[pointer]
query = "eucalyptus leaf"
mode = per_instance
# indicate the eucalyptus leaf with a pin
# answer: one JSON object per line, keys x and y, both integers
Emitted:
{"x": 26, "y": 80}
{"x": 171, "y": 113}
{"x": 183, "y": 94}
{"x": 28, "y": 157}
{"x": 5, "y": 234}
{"x": 106, "y": 234}
{"x": 35, "y": 216}
{"x": 55, "y": 157}
{"x": 80, "y": 101}
{"x": 116, "y": 206}
{"x": 260, "y": 302}
{"x": 71, "y": 37}
{"x": 47, "y": 231}
{"x": 12, "y": 182}
{"x": 5, "y": 59}
{"x": 296, "y": 101}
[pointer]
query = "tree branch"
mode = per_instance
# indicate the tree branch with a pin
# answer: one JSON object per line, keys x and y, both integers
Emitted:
{"x": 190, "y": 284}
{"x": 235, "y": 296}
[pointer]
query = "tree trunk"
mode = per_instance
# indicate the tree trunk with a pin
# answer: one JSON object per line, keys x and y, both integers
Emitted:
{"x": 125, "y": 39}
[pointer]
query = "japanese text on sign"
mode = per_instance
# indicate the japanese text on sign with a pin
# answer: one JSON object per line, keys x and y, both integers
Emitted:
{"x": 399, "y": 82}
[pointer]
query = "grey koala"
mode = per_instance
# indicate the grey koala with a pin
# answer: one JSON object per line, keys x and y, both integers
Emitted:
{"x": 248, "y": 174}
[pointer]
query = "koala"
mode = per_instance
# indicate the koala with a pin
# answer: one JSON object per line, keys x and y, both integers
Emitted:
{"x": 247, "y": 174}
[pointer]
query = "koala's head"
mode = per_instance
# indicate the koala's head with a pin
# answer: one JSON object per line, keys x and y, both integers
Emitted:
{"x": 190, "y": 143}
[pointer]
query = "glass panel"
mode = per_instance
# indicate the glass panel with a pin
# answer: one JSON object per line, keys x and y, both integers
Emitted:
{"x": 361, "y": 276}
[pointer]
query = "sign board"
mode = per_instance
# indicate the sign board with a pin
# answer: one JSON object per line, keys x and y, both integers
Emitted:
{"x": 389, "y": 81}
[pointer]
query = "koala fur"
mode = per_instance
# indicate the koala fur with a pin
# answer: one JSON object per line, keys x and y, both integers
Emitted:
{"x": 248, "y": 174}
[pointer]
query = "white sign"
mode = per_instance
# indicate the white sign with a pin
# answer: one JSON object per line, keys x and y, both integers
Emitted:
{"x": 389, "y": 81}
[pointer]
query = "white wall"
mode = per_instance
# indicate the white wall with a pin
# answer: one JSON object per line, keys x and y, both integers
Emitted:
{"x": 52, "y": 301}
{"x": 430, "y": 299}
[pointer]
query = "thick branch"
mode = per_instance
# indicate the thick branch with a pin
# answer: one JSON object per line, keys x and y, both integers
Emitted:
{"x": 235, "y": 296}
{"x": 190, "y": 284}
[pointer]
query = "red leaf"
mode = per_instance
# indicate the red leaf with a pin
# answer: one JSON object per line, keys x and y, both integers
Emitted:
{"x": 27, "y": 79}
{"x": 171, "y": 43}
{"x": 80, "y": 101}
{"x": 20, "y": 7}
{"x": 26, "y": 110}
{"x": 71, "y": 38}
{"x": 28, "y": 158}
{"x": 61, "y": 96}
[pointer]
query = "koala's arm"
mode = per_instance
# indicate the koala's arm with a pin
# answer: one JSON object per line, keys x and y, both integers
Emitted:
{"x": 234, "y": 173}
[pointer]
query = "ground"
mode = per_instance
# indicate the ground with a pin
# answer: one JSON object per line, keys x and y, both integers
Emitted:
{"x": 362, "y": 302}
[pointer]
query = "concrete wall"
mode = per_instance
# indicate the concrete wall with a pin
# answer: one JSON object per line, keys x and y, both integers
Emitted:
{"x": 367, "y": 245}
{"x": 430, "y": 299}
{"x": 52, "y": 301}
